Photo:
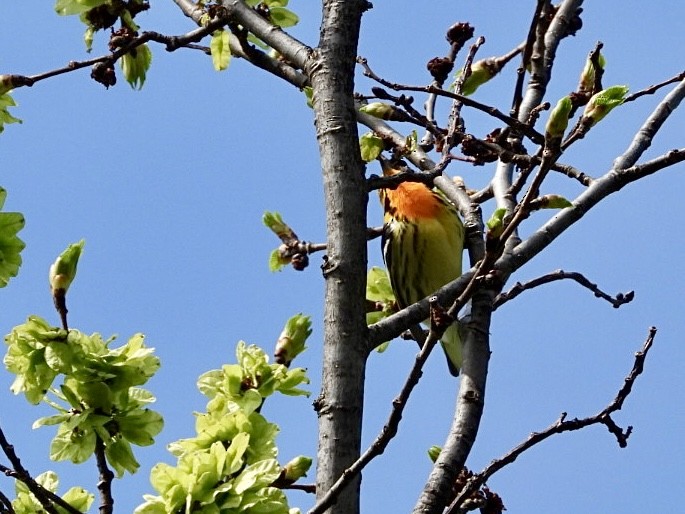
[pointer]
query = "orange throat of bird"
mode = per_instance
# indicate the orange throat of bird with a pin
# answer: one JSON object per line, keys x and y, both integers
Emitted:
{"x": 411, "y": 200}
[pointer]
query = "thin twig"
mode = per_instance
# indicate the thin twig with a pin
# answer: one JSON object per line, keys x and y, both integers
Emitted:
{"x": 457, "y": 35}
{"x": 455, "y": 122}
{"x": 173, "y": 43}
{"x": 562, "y": 425}
{"x": 529, "y": 132}
{"x": 518, "y": 288}
{"x": 106, "y": 477}
{"x": 525, "y": 59}
{"x": 654, "y": 88}
{"x": 47, "y": 498}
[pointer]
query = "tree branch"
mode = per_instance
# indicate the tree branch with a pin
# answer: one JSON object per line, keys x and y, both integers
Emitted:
{"x": 562, "y": 425}
{"x": 173, "y": 43}
{"x": 106, "y": 477}
{"x": 643, "y": 138}
{"x": 615, "y": 301}
{"x": 47, "y": 499}
{"x": 469, "y": 409}
{"x": 294, "y": 51}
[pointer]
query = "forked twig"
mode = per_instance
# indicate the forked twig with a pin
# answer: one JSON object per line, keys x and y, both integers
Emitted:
{"x": 518, "y": 288}
{"x": 563, "y": 425}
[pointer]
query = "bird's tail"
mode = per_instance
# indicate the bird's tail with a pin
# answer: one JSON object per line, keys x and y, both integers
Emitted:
{"x": 451, "y": 344}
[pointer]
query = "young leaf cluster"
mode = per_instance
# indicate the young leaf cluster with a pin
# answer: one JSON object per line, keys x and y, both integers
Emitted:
{"x": 274, "y": 10}
{"x": 98, "y": 398}
{"x": 27, "y": 503}
{"x": 230, "y": 465}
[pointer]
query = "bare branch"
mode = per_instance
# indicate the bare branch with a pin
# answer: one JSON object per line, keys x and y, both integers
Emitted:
{"x": 643, "y": 138}
{"x": 526, "y": 58}
{"x": 654, "y": 88}
{"x": 106, "y": 477}
{"x": 439, "y": 68}
{"x": 455, "y": 122}
{"x": 615, "y": 301}
{"x": 6, "y": 504}
{"x": 47, "y": 499}
{"x": 562, "y": 425}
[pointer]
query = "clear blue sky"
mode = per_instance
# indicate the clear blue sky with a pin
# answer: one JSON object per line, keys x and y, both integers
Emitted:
{"x": 168, "y": 185}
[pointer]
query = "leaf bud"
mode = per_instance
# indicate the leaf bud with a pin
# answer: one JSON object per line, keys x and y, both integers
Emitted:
{"x": 433, "y": 452}
{"x": 587, "y": 76}
{"x": 558, "y": 119}
{"x": 481, "y": 72}
{"x": 296, "y": 469}
{"x": 602, "y": 103}
{"x": 63, "y": 270}
{"x": 378, "y": 110}
{"x": 292, "y": 340}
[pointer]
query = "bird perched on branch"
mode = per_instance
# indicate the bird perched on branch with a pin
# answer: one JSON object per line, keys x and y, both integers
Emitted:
{"x": 423, "y": 240}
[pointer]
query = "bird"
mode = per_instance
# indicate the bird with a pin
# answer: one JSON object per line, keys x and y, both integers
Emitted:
{"x": 422, "y": 243}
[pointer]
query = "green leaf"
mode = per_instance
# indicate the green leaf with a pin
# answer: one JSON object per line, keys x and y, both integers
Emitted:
{"x": 554, "y": 202}
{"x": 78, "y": 498}
{"x": 135, "y": 65}
{"x": 309, "y": 95}
{"x": 257, "y": 475}
{"x": 140, "y": 426}
{"x": 120, "y": 457}
{"x": 10, "y": 245}
{"x": 220, "y": 49}
{"x": 379, "y": 291}
{"x": 283, "y": 17}
{"x": 69, "y": 7}
{"x": 587, "y": 76}
{"x": 276, "y": 262}
{"x": 411, "y": 142}
{"x": 378, "y": 288}
{"x": 297, "y": 468}
{"x": 74, "y": 445}
{"x": 378, "y": 110}
{"x": 481, "y": 72}
{"x": 434, "y": 452}
{"x": 5, "y": 117}
{"x": 48, "y": 480}
{"x": 88, "y": 37}
{"x": 370, "y": 146}
{"x": 50, "y": 420}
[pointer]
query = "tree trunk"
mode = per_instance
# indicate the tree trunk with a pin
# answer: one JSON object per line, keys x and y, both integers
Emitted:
{"x": 331, "y": 72}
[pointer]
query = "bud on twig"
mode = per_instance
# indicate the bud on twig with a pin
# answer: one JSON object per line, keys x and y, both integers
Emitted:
{"x": 558, "y": 119}
{"x": 62, "y": 274}
{"x": 481, "y": 72}
{"x": 587, "y": 77}
{"x": 602, "y": 103}
{"x": 434, "y": 452}
{"x": 291, "y": 341}
{"x": 296, "y": 469}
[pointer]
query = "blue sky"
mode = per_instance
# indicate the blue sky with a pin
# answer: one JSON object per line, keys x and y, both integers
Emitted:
{"x": 168, "y": 185}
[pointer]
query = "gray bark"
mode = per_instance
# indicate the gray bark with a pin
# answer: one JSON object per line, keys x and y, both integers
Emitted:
{"x": 331, "y": 72}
